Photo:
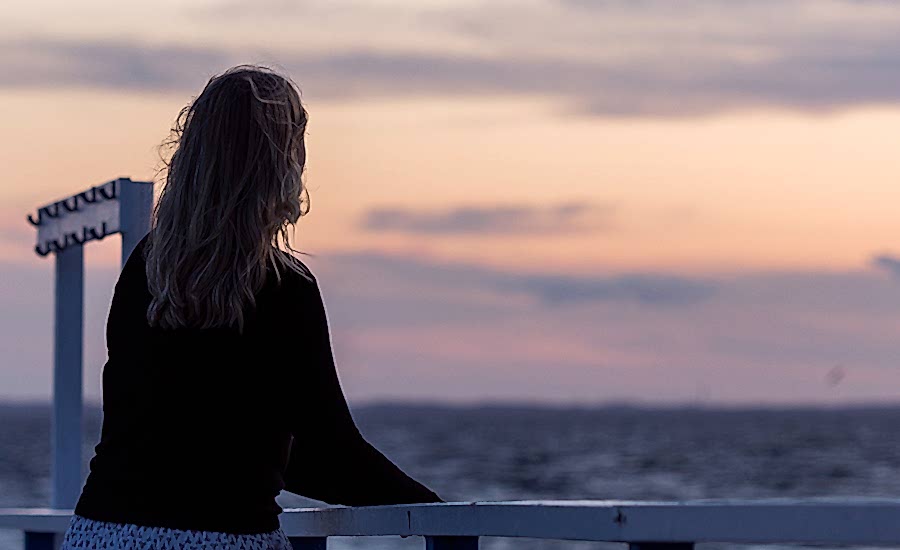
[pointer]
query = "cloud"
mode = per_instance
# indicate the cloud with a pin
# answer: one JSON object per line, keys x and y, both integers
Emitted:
{"x": 481, "y": 220}
{"x": 888, "y": 263}
{"x": 130, "y": 66}
{"x": 749, "y": 337}
{"x": 606, "y": 58}
{"x": 414, "y": 328}
{"x": 652, "y": 289}
{"x": 548, "y": 288}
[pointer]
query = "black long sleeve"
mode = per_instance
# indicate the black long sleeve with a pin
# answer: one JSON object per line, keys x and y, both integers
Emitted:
{"x": 330, "y": 460}
{"x": 202, "y": 428}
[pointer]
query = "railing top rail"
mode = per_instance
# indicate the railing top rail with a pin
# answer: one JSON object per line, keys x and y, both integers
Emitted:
{"x": 42, "y": 520}
{"x": 825, "y": 521}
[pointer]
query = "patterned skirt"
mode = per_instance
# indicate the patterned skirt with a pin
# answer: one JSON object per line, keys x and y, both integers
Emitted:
{"x": 84, "y": 533}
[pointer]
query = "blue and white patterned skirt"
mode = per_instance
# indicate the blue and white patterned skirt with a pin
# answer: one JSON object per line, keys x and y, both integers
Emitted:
{"x": 84, "y": 533}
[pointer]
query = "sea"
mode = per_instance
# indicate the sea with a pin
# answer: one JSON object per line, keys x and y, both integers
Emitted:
{"x": 507, "y": 452}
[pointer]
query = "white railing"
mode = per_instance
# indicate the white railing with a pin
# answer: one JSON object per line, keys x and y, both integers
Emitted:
{"x": 642, "y": 525}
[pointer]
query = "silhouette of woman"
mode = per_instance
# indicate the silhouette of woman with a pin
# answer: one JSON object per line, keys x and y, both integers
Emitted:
{"x": 220, "y": 389}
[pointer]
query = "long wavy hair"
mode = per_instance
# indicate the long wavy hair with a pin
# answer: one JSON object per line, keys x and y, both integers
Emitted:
{"x": 233, "y": 189}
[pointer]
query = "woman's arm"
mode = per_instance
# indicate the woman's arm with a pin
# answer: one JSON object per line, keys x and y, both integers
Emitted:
{"x": 330, "y": 460}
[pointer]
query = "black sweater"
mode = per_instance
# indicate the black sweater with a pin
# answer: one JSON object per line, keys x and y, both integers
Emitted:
{"x": 203, "y": 428}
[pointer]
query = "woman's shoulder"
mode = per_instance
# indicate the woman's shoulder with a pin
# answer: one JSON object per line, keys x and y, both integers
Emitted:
{"x": 289, "y": 271}
{"x": 291, "y": 292}
{"x": 133, "y": 270}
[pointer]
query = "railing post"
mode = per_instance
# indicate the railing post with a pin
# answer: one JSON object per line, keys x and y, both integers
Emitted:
{"x": 309, "y": 543}
{"x": 451, "y": 543}
{"x": 135, "y": 208}
{"x": 661, "y": 546}
{"x": 40, "y": 541}
{"x": 63, "y": 228}
{"x": 67, "y": 372}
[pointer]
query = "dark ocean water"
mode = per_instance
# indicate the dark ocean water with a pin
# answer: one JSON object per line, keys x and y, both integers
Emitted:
{"x": 515, "y": 453}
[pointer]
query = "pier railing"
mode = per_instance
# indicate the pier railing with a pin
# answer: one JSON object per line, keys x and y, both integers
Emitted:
{"x": 641, "y": 525}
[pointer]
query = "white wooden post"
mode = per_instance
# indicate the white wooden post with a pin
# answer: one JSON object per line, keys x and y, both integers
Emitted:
{"x": 68, "y": 339}
{"x": 135, "y": 205}
{"x": 119, "y": 206}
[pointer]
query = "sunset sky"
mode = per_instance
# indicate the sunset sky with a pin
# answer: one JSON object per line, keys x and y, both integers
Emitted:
{"x": 562, "y": 201}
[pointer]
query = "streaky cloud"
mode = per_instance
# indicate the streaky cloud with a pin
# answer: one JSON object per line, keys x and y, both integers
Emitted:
{"x": 486, "y": 220}
{"x": 647, "y": 289}
{"x": 888, "y": 263}
{"x": 44, "y": 62}
{"x": 547, "y": 287}
{"x": 814, "y": 78}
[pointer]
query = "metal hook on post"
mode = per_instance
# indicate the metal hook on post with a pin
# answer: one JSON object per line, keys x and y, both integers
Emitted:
{"x": 89, "y": 199}
{"x": 75, "y": 238}
{"x": 97, "y": 235}
{"x": 42, "y": 251}
{"x": 51, "y": 211}
{"x": 55, "y": 245}
{"x": 73, "y": 207}
{"x": 111, "y": 193}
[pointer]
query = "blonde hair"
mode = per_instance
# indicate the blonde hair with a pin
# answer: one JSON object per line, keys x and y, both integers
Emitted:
{"x": 233, "y": 188}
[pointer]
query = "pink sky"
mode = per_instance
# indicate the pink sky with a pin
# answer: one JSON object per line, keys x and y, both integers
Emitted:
{"x": 547, "y": 201}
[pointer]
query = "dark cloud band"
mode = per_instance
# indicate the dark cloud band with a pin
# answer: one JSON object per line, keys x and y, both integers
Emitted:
{"x": 809, "y": 76}
{"x": 547, "y": 287}
{"x": 487, "y": 220}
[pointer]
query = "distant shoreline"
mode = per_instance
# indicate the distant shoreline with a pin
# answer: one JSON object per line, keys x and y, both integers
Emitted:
{"x": 551, "y": 407}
